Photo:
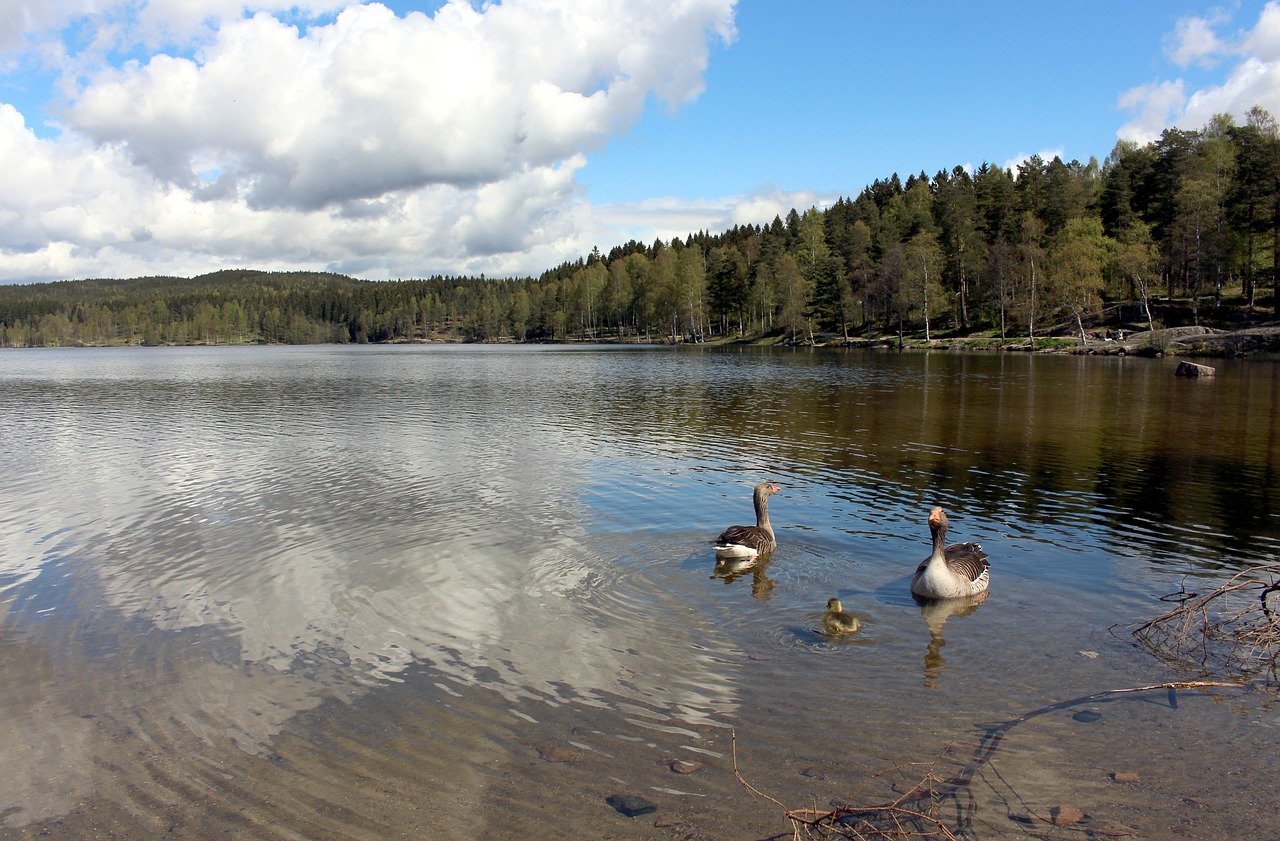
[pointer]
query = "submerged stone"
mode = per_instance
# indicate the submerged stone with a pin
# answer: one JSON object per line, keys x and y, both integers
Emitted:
{"x": 1065, "y": 815}
{"x": 1087, "y": 716}
{"x": 631, "y": 805}
{"x": 557, "y": 753}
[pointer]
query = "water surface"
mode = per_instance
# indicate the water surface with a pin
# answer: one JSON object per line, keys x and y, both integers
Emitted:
{"x": 366, "y": 592}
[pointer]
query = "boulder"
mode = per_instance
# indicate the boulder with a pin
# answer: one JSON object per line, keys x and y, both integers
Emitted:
{"x": 1191, "y": 369}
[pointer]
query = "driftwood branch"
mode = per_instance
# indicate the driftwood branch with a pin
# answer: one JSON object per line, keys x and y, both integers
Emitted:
{"x": 922, "y": 810}
{"x": 1232, "y": 628}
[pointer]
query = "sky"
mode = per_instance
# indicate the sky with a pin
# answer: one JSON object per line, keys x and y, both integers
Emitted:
{"x": 409, "y": 139}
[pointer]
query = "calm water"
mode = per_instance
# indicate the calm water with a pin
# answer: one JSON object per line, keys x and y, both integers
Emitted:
{"x": 361, "y": 593}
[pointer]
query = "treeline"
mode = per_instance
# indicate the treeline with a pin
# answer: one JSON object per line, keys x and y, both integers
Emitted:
{"x": 1193, "y": 216}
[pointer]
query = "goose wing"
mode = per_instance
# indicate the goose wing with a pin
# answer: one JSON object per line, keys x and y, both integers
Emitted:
{"x": 967, "y": 559}
{"x": 753, "y": 536}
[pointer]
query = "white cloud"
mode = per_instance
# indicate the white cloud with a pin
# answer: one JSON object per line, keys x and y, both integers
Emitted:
{"x": 1263, "y": 41}
{"x": 1194, "y": 41}
{"x": 1046, "y": 155}
{"x": 1157, "y": 104}
{"x": 1252, "y": 79}
{"x": 667, "y": 218}
{"x": 369, "y": 143}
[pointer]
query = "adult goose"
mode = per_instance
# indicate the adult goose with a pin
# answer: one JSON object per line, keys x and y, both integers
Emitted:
{"x": 748, "y": 542}
{"x": 951, "y": 571}
{"x": 837, "y": 622}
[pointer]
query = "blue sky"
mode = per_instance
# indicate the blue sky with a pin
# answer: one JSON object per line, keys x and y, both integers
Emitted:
{"x": 828, "y": 96}
{"x": 407, "y": 139}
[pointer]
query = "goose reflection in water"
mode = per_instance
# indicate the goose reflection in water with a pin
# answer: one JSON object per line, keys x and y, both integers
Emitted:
{"x": 731, "y": 569}
{"x": 936, "y": 612}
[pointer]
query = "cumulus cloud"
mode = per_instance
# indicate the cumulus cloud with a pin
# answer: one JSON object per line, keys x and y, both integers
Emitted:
{"x": 364, "y": 142}
{"x": 1156, "y": 105}
{"x": 667, "y": 218}
{"x": 1021, "y": 158}
{"x": 1253, "y": 77}
{"x": 1194, "y": 41}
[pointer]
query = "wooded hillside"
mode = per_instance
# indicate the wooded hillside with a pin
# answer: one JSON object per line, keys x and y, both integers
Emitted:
{"x": 1193, "y": 217}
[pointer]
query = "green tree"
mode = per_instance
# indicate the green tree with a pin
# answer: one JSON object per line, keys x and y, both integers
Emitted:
{"x": 1075, "y": 279}
{"x": 794, "y": 287}
{"x": 1030, "y": 275}
{"x": 1254, "y": 197}
{"x": 521, "y": 308}
{"x": 922, "y": 277}
{"x": 691, "y": 286}
{"x": 1136, "y": 261}
{"x": 617, "y": 295}
{"x": 664, "y": 292}
{"x": 727, "y": 287}
{"x": 956, "y": 203}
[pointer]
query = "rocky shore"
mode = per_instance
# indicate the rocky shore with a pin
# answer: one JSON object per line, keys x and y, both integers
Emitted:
{"x": 1171, "y": 341}
{"x": 1190, "y": 341}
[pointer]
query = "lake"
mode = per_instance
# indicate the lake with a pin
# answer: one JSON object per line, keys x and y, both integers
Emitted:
{"x": 469, "y": 591}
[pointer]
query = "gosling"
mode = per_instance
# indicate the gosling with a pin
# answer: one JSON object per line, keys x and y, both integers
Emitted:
{"x": 837, "y": 622}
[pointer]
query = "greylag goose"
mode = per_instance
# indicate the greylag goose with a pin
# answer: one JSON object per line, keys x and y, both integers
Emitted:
{"x": 749, "y": 541}
{"x": 838, "y": 622}
{"x": 951, "y": 571}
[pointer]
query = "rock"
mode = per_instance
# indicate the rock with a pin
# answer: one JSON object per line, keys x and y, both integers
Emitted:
{"x": 556, "y": 753}
{"x": 1065, "y": 815}
{"x": 1191, "y": 369}
{"x": 1088, "y": 655}
{"x": 1126, "y": 777}
{"x": 1087, "y": 716}
{"x": 685, "y": 766}
{"x": 631, "y": 805}
{"x": 680, "y": 766}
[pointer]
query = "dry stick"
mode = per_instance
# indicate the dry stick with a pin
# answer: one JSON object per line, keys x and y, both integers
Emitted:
{"x": 798, "y": 816}
{"x": 1266, "y": 591}
{"x": 1251, "y": 632}
{"x": 962, "y": 781}
{"x": 1196, "y": 602}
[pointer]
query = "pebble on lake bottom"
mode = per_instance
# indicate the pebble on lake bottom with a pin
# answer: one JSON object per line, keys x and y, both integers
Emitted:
{"x": 1087, "y": 716}
{"x": 556, "y": 753}
{"x": 631, "y": 805}
{"x": 1065, "y": 815}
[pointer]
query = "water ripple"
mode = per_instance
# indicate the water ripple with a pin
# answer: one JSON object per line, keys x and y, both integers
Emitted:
{"x": 412, "y": 566}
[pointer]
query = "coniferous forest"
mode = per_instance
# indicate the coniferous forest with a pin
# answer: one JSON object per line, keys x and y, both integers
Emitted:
{"x": 1183, "y": 230}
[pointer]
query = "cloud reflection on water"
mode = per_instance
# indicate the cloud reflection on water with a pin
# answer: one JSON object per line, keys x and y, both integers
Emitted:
{"x": 314, "y": 551}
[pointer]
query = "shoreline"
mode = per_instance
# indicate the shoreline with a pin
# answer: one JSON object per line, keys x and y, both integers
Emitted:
{"x": 1191, "y": 342}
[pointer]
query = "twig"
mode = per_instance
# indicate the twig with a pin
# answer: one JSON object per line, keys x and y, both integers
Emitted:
{"x": 903, "y": 821}
{"x": 1243, "y": 639}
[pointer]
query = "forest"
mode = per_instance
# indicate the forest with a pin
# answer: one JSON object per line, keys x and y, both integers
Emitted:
{"x": 1183, "y": 230}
